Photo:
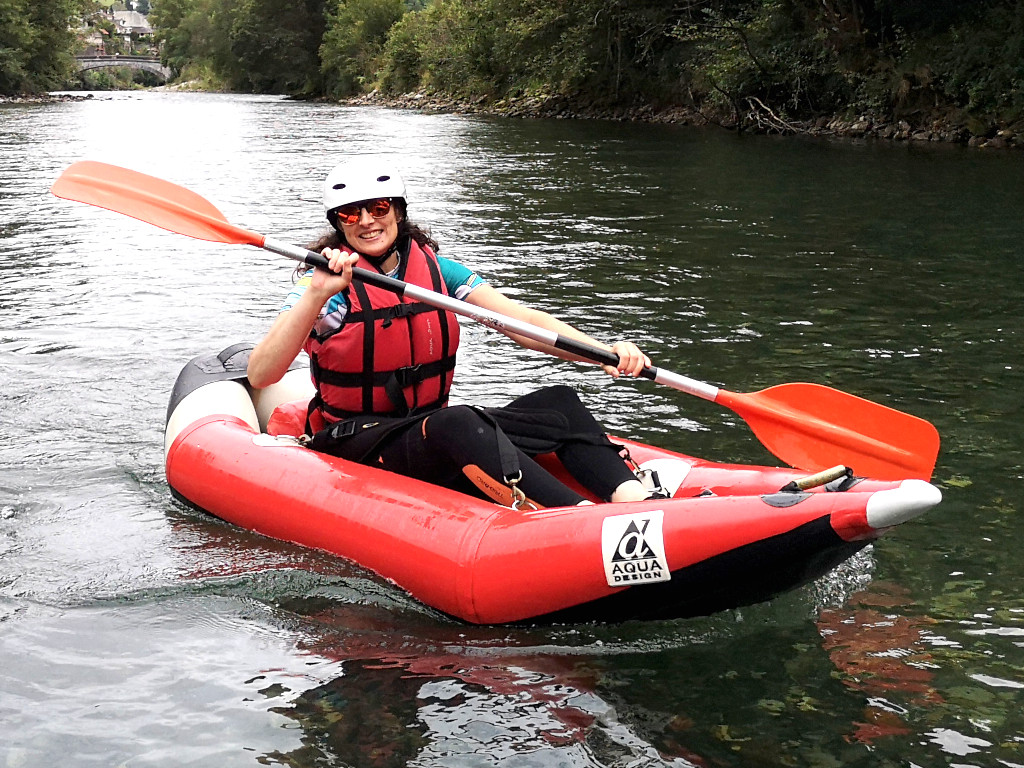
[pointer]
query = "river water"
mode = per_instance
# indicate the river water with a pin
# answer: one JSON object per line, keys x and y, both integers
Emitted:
{"x": 136, "y": 631}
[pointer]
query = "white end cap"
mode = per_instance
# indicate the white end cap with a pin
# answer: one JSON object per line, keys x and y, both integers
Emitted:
{"x": 897, "y": 505}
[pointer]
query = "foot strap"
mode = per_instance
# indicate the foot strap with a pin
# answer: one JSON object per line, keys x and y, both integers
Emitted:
{"x": 507, "y": 494}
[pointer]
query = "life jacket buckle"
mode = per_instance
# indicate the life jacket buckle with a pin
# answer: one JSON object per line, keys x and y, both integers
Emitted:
{"x": 409, "y": 375}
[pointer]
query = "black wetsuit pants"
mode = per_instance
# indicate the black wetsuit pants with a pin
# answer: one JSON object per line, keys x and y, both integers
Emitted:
{"x": 437, "y": 448}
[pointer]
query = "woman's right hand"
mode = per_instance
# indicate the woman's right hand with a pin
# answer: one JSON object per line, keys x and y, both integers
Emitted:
{"x": 339, "y": 277}
{"x": 270, "y": 359}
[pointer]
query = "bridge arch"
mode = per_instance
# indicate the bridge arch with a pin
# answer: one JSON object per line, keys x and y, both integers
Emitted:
{"x": 144, "y": 63}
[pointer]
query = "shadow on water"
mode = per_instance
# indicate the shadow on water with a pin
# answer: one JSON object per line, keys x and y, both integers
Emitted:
{"x": 581, "y": 695}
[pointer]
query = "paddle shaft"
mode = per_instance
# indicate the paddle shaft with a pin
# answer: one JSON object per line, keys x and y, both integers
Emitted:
{"x": 806, "y": 425}
{"x": 784, "y": 427}
{"x": 496, "y": 320}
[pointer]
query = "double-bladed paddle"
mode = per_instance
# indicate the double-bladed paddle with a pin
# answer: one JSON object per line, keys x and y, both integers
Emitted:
{"x": 808, "y": 426}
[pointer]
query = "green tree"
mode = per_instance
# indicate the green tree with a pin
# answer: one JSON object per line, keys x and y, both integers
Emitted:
{"x": 601, "y": 49}
{"x": 613, "y": 50}
{"x": 171, "y": 22}
{"x": 775, "y": 64}
{"x": 401, "y": 59}
{"x": 356, "y": 34}
{"x": 457, "y": 46}
{"x": 195, "y": 39}
{"x": 771, "y": 62}
{"x": 15, "y": 37}
{"x": 776, "y": 61}
{"x": 981, "y": 66}
{"x": 276, "y": 45}
{"x": 37, "y": 44}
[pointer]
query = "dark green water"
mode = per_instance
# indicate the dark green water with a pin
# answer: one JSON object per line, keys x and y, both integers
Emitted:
{"x": 135, "y": 631}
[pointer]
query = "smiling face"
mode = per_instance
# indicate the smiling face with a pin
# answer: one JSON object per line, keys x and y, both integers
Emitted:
{"x": 372, "y": 237}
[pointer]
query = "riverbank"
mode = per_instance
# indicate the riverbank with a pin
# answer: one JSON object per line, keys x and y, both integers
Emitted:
{"x": 44, "y": 98}
{"x": 758, "y": 118}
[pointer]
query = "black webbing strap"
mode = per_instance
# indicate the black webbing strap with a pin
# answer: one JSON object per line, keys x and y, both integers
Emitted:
{"x": 388, "y": 314}
{"x": 367, "y": 374}
{"x": 442, "y": 319}
{"x": 401, "y": 377}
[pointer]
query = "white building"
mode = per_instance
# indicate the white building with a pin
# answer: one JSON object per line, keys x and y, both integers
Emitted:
{"x": 131, "y": 23}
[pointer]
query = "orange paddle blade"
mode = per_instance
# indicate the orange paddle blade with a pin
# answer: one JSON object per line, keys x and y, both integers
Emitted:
{"x": 149, "y": 199}
{"x": 808, "y": 426}
{"x": 813, "y": 427}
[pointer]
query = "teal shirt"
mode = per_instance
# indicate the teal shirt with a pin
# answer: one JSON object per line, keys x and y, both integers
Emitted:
{"x": 459, "y": 280}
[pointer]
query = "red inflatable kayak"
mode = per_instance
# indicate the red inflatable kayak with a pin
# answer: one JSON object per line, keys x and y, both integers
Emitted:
{"x": 730, "y": 535}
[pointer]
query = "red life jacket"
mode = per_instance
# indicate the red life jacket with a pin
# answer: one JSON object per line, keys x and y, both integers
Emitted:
{"x": 389, "y": 356}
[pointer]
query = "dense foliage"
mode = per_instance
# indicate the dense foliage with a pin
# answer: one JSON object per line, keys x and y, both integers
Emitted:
{"x": 773, "y": 63}
{"x": 267, "y": 46}
{"x": 351, "y": 51}
{"x": 797, "y": 59}
{"x": 37, "y": 44}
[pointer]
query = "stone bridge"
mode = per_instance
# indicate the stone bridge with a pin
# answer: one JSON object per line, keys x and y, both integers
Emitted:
{"x": 134, "y": 62}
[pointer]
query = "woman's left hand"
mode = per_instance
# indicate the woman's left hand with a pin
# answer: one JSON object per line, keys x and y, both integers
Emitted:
{"x": 631, "y": 360}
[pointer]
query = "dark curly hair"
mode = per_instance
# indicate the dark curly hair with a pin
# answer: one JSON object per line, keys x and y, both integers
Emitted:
{"x": 333, "y": 238}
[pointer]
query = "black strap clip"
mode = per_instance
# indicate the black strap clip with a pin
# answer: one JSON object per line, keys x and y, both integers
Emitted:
{"x": 342, "y": 429}
{"x": 410, "y": 375}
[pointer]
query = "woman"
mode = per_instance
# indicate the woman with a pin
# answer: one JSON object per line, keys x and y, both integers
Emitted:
{"x": 383, "y": 367}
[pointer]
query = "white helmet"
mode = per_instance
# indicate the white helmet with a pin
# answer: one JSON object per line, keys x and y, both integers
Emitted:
{"x": 362, "y": 178}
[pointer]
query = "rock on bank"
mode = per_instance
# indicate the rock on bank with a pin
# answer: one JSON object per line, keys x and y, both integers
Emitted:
{"x": 758, "y": 119}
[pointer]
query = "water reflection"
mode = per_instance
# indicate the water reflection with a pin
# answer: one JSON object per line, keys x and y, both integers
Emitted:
{"x": 449, "y": 699}
{"x": 883, "y": 655}
{"x": 912, "y": 673}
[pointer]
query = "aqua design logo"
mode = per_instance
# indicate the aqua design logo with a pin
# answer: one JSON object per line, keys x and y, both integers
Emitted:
{"x": 633, "y": 549}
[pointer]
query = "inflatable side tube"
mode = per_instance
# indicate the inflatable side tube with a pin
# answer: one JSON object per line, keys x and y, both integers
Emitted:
{"x": 227, "y": 365}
